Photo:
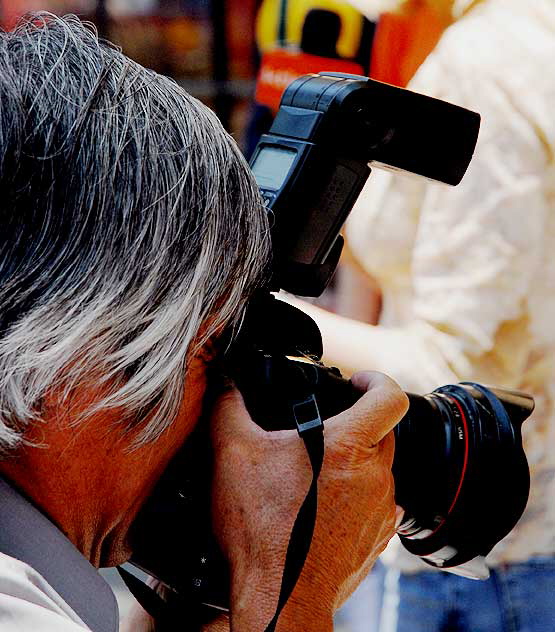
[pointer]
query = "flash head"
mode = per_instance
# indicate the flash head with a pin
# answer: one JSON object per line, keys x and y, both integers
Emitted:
{"x": 330, "y": 129}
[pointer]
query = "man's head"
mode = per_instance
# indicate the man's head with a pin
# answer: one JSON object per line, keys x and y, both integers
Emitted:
{"x": 132, "y": 233}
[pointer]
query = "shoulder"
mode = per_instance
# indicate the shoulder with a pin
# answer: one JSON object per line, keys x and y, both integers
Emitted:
{"x": 494, "y": 57}
{"x": 29, "y": 603}
{"x": 496, "y": 61}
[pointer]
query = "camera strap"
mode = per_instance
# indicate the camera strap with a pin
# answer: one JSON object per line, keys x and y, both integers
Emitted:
{"x": 311, "y": 430}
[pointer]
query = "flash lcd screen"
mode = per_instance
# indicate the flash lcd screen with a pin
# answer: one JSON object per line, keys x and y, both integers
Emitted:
{"x": 272, "y": 165}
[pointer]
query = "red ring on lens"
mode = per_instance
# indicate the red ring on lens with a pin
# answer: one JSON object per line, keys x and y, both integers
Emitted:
{"x": 465, "y": 462}
{"x": 466, "y": 451}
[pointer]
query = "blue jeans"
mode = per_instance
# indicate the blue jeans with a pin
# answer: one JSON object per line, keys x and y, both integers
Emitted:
{"x": 361, "y": 613}
{"x": 516, "y": 598}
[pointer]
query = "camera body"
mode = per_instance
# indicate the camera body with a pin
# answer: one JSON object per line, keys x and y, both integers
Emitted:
{"x": 311, "y": 166}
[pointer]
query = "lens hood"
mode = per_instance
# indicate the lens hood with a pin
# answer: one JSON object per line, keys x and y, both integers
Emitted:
{"x": 460, "y": 471}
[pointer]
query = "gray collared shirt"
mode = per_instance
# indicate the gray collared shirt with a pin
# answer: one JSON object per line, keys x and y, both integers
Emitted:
{"x": 27, "y": 535}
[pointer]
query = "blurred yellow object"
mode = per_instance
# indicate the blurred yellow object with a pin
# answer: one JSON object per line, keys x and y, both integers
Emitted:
{"x": 294, "y": 12}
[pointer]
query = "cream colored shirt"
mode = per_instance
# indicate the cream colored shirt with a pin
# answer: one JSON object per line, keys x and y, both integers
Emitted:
{"x": 468, "y": 273}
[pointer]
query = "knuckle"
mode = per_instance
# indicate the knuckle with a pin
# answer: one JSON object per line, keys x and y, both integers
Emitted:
{"x": 399, "y": 403}
{"x": 357, "y": 452}
{"x": 353, "y": 450}
{"x": 390, "y": 400}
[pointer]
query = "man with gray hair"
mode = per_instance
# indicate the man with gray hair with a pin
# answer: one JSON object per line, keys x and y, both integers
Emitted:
{"x": 132, "y": 235}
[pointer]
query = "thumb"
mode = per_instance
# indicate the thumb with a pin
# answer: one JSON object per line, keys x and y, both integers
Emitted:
{"x": 381, "y": 407}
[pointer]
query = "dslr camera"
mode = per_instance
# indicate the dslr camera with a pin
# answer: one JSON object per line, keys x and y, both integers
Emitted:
{"x": 459, "y": 468}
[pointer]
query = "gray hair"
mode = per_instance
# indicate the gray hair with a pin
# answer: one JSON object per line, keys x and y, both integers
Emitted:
{"x": 131, "y": 228}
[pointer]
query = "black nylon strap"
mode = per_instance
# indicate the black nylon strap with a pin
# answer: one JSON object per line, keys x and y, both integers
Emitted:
{"x": 303, "y": 529}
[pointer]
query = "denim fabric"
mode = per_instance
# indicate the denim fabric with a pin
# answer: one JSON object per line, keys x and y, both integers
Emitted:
{"x": 361, "y": 613}
{"x": 516, "y": 598}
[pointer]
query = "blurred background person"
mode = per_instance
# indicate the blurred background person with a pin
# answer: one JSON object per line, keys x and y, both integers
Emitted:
{"x": 467, "y": 292}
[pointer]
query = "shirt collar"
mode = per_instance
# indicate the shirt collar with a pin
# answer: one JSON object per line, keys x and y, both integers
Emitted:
{"x": 27, "y": 535}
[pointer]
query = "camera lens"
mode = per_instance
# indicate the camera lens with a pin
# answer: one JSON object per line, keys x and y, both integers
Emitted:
{"x": 460, "y": 471}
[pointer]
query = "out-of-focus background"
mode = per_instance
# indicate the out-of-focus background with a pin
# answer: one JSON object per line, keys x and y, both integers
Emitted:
{"x": 216, "y": 49}
{"x": 206, "y": 45}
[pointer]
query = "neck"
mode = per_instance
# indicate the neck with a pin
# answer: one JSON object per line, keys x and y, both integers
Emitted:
{"x": 78, "y": 496}
{"x": 85, "y": 477}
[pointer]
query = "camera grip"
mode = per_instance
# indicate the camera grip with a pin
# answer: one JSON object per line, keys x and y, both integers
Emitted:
{"x": 274, "y": 388}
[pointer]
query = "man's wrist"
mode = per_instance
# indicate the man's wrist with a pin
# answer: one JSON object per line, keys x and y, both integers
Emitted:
{"x": 297, "y": 617}
{"x": 254, "y": 605}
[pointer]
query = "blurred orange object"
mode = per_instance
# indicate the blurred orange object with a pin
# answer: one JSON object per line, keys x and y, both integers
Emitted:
{"x": 240, "y": 16}
{"x": 403, "y": 41}
{"x": 278, "y": 68}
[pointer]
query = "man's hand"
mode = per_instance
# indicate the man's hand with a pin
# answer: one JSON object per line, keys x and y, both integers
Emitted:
{"x": 260, "y": 480}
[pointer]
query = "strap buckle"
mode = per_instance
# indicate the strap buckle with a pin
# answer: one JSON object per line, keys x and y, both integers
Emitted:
{"x": 307, "y": 416}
